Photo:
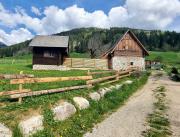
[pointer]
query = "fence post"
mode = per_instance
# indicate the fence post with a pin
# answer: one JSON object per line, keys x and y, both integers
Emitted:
{"x": 20, "y": 88}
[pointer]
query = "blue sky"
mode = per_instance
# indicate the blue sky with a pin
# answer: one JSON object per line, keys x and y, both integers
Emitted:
{"x": 23, "y": 19}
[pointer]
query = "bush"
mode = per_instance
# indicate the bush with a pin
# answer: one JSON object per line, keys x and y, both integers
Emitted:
{"x": 175, "y": 77}
{"x": 174, "y": 70}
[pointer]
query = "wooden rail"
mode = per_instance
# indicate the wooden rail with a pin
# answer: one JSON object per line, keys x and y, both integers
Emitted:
{"x": 100, "y": 72}
{"x": 7, "y": 93}
{"x": 49, "y": 91}
{"x": 117, "y": 76}
{"x": 15, "y": 76}
{"x": 48, "y": 79}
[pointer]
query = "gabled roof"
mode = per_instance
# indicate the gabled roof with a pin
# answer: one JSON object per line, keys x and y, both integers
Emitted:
{"x": 120, "y": 39}
{"x": 50, "y": 41}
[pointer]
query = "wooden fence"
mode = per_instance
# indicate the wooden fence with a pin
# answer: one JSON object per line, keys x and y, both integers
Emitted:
{"x": 86, "y": 63}
{"x": 26, "y": 79}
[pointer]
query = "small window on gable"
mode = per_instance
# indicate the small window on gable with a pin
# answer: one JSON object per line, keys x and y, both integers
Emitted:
{"x": 49, "y": 54}
{"x": 131, "y": 63}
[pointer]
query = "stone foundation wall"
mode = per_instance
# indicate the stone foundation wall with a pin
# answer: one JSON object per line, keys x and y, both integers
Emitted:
{"x": 123, "y": 63}
{"x": 50, "y": 67}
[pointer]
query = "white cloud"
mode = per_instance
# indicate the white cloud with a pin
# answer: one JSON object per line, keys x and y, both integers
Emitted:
{"x": 35, "y": 11}
{"x": 145, "y": 14}
{"x": 15, "y": 36}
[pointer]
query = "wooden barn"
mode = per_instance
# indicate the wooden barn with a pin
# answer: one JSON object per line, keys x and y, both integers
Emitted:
{"x": 127, "y": 52}
{"x": 49, "y": 50}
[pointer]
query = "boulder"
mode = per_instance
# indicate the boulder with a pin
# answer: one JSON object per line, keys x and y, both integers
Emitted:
{"x": 128, "y": 82}
{"x": 4, "y": 131}
{"x": 63, "y": 111}
{"x": 95, "y": 96}
{"x": 81, "y": 102}
{"x": 31, "y": 125}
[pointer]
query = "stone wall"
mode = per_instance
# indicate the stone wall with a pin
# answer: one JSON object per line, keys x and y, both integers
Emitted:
{"x": 50, "y": 67}
{"x": 122, "y": 62}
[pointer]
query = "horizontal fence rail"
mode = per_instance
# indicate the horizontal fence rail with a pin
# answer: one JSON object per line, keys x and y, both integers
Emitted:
{"x": 48, "y": 79}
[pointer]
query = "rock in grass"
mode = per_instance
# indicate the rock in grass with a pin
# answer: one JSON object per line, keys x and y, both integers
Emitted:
{"x": 31, "y": 125}
{"x": 63, "y": 111}
{"x": 108, "y": 89}
{"x": 102, "y": 92}
{"x": 118, "y": 86}
{"x": 81, "y": 102}
{"x": 111, "y": 87}
{"x": 95, "y": 96}
{"x": 4, "y": 131}
{"x": 128, "y": 82}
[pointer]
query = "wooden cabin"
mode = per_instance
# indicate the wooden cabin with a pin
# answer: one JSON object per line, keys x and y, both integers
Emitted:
{"x": 49, "y": 50}
{"x": 127, "y": 52}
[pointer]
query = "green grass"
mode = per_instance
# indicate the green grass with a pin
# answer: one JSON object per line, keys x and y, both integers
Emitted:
{"x": 169, "y": 59}
{"x": 84, "y": 120}
{"x": 158, "y": 120}
{"x": 11, "y": 112}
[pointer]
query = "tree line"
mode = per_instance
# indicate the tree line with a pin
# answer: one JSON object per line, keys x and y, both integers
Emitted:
{"x": 96, "y": 40}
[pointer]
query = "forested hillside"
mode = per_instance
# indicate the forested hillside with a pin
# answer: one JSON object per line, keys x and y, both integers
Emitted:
{"x": 95, "y": 40}
{"x": 2, "y": 45}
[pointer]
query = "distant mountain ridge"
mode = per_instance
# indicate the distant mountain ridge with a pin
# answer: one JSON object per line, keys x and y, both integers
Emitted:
{"x": 2, "y": 45}
{"x": 154, "y": 40}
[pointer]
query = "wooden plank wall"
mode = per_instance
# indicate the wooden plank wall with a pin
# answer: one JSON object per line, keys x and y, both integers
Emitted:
{"x": 86, "y": 63}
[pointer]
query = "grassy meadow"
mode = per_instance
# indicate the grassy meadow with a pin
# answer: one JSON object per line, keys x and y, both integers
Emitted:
{"x": 11, "y": 112}
{"x": 168, "y": 59}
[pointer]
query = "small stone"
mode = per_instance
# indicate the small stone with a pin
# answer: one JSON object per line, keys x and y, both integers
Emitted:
{"x": 95, "y": 96}
{"x": 118, "y": 86}
{"x": 128, "y": 82}
{"x": 63, "y": 111}
{"x": 4, "y": 131}
{"x": 108, "y": 89}
{"x": 81, "y": 102}
{"x": 102, "y": 92}
{"x": 31, "y": 125}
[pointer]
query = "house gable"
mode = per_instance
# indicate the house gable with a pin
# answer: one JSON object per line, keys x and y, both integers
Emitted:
{"x": 127, "y": 45}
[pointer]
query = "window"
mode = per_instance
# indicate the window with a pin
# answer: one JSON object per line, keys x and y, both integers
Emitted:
{"x": 49, "y": 54}
{"x": 131, "y": 63}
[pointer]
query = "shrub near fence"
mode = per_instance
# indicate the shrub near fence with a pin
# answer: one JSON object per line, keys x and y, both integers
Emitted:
{"x": 86, "y": 63}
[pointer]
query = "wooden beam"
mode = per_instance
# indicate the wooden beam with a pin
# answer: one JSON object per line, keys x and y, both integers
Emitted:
{"x": 48, "y": 79}
{"x": 15, "y": 76}
{"x": 101, "y": 79}
{"x": 108, "y": 82}
{"x": 7, "y": 93}
{"x": 100, "y": 72}
{"x": 49, "y": 91}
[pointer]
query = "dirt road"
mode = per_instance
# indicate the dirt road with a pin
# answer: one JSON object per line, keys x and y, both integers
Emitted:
{"x": 130, "y": 120}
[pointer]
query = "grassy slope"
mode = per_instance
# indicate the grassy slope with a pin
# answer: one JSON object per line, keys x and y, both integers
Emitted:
{"x": 169, "y": 59}
{"x": 11, "y": 112}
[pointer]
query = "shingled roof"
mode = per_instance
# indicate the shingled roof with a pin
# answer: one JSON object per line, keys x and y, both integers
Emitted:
{"x": 50, "y": 41}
